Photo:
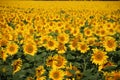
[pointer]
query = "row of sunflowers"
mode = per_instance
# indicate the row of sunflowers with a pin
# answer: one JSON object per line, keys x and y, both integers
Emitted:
{"x": 59, "y": 44}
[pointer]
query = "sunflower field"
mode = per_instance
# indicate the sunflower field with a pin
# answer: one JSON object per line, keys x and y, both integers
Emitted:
{"x": 59, "y": 40}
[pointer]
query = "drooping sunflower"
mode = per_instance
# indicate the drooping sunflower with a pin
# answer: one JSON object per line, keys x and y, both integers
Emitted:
{"x": 61, "y": 48}
{"x": 12, "y": 48}
{"x": 3, "y": 55}
{"x": 110, "y": 44}
{"x": 63, "y": 38}
{"x": 59, "y": 61}
{"x": 30, "y": 48}
{"x": 83, "y": 47}
{"x": 49, "y": 61}
{"x": 106, "y": 64}
{"x": 39, "y": 71}
{"x": 98, "y": 57}
{"x": 17, "y": 65}
{"x": 56, "y": 74}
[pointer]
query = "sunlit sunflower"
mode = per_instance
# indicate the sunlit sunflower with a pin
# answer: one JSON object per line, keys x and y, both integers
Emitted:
{"x": 76, "y": 31}
{"x": 110, "y": 44}
{"x": 17, "y": 65}
{"x": 12, "y": 48}
{"x": 83, "y": 47}
{"x": 111, "y": 31}
{"x": 91, "y": 41}
{"x": 63, "y": 38}
{"x": 73, "y": 44}
{"x": 39, "y": 71}
{"x": 49, "y": 61}
{"x": 87, "y": 32}
{"x": 61, "y": 48}
{"x": 103, "y": 32}
{"x": 30, "y": 48}
{"x": 55, "y": 74}
{"x": 51, "y": 44}
{"x": 118, "y": 28}
{"x": 59, "y": 61}
{"x": 3, "y": 55}
{"x": 98, "y": 57}
{"x": 41, "y": 78}
{"x": 44, "y": 39}
{"x": 3, "y": 42}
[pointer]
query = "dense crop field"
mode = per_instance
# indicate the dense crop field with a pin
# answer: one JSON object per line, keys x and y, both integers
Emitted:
{"x": 59, "y": 40}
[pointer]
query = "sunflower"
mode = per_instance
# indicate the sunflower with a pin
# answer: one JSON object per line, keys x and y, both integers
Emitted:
{"x": 3, "y": 55}
{"x": 99, "y": 57}
{"x": 91, "y": 41}
{"x": 29, "y": 78}
{"x": 61, "y": 48}
{"x": 51, "y": 44}
{"x": 111, "y": 31}
{"x": 106, "y": 64}
{"x": 30, "y": 48}
{"x": 49, "y": 61}
{"x": 17, "y": 65}
{"x": 56, "y": 74}
{"x": 83, "y": 47}
{"x": 3, "y": 42}
{"x": 63, "y": 38}
{"x": 76, "y": 31}
{"x": 59, "y": 61}
{"x": 116, "y": 75}
{"x": 12, "y": 48}
{"x": 41, "y": 78}
{"x": 73, "y": 44}
{"x": 87, "y": 32}
{"x": 110, "y": 44}
{"x": 39, "y": 71}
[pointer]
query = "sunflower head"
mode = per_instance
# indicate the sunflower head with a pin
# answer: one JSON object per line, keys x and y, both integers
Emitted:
{"x": 56, "y": 74}
{"x": 30, "y": 48}
{"x": 51, "y": 44}
{"x": 61, "y": 48}
{"x": 12, "y": 48}
{"x": 39, "y": 71}
{"x": 99, "y": 57}
{"x": 83, "y": 47}
{"x": 63, "y": 38}
{"x": 110, "y": 44}
{"x": 59, "y": 61}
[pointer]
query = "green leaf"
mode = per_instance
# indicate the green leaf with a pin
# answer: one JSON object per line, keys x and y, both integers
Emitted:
{"x": 77, "y": 64}
{"x": 43, "y": 54}
{"x": 67, "y": 31}
{"x": 70, "y": 57}
{"x": 25, "y": 65}
{"x": 30, "y": 58}
{"x": 72, "y": 71}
